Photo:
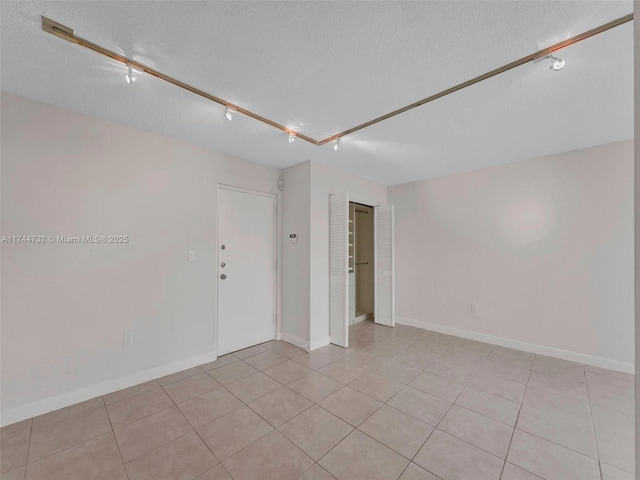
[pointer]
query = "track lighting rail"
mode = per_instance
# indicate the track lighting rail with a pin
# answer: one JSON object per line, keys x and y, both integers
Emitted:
{"x": 66, "y": 33}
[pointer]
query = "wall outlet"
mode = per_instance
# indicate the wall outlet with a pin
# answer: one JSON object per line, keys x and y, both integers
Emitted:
{"x": 192, "y": 255}
{"x": 127, "y": 339}
{"x": 474, "y": 308}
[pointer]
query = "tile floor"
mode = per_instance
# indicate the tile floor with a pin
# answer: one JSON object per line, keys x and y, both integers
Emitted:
{"x": 401, "y": 403}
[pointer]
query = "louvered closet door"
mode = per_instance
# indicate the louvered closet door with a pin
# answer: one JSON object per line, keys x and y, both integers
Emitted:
{"x": 338, "y": 269}
{"x": 384, "y": 294}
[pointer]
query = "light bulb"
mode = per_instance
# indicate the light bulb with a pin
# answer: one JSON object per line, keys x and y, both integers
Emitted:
{"x": 336, "y": 145}
{"x": 557, "y": 63}
{"x": 130, "y": 77}
{"x": 292, "y": 137}
{"x": 228, "y": 113}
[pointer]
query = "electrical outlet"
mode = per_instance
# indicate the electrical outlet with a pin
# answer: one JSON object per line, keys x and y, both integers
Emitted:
{"x": 192, "y": 255}
{"x": 474, "y": 308}
{"x": 127, "y": 339}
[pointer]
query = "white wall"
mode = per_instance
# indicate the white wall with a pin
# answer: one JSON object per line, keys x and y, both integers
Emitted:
{"x": 543, "y": 246}
{"x": 65, "y": 307}
{"x": 636, "y": 36}
{"x": 324, "y": 181}
{"x": 296, "y": 257}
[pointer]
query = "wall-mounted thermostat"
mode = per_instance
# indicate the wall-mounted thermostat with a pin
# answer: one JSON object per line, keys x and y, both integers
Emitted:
{"x": 293, "y": 238}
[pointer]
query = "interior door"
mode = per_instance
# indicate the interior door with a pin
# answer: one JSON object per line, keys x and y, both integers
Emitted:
{"x": 339, "y": 269}
{"x": 384, "y": 295}
{"x": 246, "y": 269}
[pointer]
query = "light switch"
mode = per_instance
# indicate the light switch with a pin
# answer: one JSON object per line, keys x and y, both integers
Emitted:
{"x": 293, "y": 238}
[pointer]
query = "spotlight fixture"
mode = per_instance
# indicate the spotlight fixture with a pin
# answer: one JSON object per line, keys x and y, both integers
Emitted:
{"x": 336, "y": 144}
{"x": 228, "y": 113}
{"x": 130, "y": 77}
{"x": 292, "y": 137}
{"x": 557, "y": 63}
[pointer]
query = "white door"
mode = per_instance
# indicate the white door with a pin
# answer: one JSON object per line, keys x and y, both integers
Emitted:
{"x": 384, "y": 294}
{"x": 246, "y": 269}
{"x": 339, "y": 269}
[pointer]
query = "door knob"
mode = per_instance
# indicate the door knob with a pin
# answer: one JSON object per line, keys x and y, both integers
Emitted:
{"x": 223, "y": 276}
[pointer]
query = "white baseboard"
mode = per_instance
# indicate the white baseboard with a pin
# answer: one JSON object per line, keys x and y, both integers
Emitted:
{"x": 298, "y": 342}
{"x": 592, "y": 360}
{"x": 46, "y": 405}
{"x": 320, "y": 343}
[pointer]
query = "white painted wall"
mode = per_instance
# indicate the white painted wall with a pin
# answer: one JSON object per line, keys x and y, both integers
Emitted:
{"x": 324, "y": 181}
{"x": 65, "y": 307}
{"x": 543, "y": 246}
{"x": 636, "y": 37}
{"x": 296, "y": 257}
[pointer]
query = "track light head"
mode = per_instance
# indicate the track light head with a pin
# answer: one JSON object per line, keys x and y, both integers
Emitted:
{"x": 228, "y": 113}
{"x": 336, "y": 144}
{"x": 557, "y": 63}
{"x": 292, "y": 137}
{"x": 130, "y": 76}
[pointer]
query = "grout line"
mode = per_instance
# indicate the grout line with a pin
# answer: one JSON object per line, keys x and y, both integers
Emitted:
{"x": 115, "y": 439}
{"x": 593, "y": 428}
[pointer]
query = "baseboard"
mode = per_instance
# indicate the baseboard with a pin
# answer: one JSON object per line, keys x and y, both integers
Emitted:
{"x": 298, "y": 342}
{"x": 592, "y": 360}
{"x": 50, "y": 404}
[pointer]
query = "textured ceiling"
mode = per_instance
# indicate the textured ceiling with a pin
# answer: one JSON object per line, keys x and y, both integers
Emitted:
{"x": 323, "y": 67}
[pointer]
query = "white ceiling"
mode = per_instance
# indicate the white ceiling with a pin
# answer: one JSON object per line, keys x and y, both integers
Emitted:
{"x": 323, "y": 67}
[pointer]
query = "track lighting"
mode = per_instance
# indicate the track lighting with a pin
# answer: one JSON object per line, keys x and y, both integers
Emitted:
{"x": 557, "y": 63}
{"x": 228, "y": 113}
{"x": 292, "y": 137}
{"x": 336, "y": 144}
{"x": 130, "y": 77}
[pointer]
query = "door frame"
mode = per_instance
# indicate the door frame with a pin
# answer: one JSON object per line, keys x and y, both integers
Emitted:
{"x": 274, "y": 197}
{"x": 373, "y": 261}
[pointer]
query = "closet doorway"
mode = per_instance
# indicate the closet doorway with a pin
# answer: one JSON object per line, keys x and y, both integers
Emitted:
{"x": 361, "y": 271}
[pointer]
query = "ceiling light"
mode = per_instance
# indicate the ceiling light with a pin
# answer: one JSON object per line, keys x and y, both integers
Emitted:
{"x": 557, "y": 63}
{"x": 228, "y": 113}
{"x": 336, "y": 144}
{"x": 292, "y": 137}
{"x": 130, "y": 77}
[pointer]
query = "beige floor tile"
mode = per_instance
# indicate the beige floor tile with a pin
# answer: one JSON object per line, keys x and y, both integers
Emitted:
{"x": 416, "y": 360}
{"x": 232, "y": 372}
{"x": 420, "y": 405}
{"x": 449, "y": 457}
{"x": 286, "y": 349}
{"x": 616, "y": 450}
{"x": 557, "y": 367}
{"x": 87, "y": 460}
{"x": 351, "y": 406}
{"x": 478, "y": 430}
{"x": 191, "y": 387}
{"x": 287, "y": 372}
{"x": 181, "y": 459}
{"x": 316, "y": 431}
{"x": 15, "y": 429}
{"x": 208, "y": 407}
{"x": 342, "y": 371}
{"x": 67, "y": 433}
{"x": 117, "y": 473}
{"x": 84, "y": 408}
{"x": 13, "y": 452}
{"x": 144, "y": 435}
{"x": 139, "y": 406}
{"x": 516, "y": 358}
{"x": 571, "y": 387}
{"x": 414, "y": 472}
{"x": 613, "y": 473}
{"x": 376, "y": 386}
{"x": 315, "y": 386}
{"x": 333, "y": 350}
{"x": 461, "y": 373}
{"x": 397, "y": 372}
{"x": 505, "y": 369}
{"x": 559, "y": 419}
{"x": 489, "y": 405}
{"x": 365, "y": 360}
{"x": 397, "y": 430}
{"x": 280, "y": 406}
{"x": 511, "y": 472}
{"x": 265, "y": 360}
{"x": 315, "y": 360}
{"x": 613, "y": 420}
{"x": 220, "y": 362}
{"x": 359, "y": 457}
{"x": 130, "y": 392}
{"x": 176, "y": 377}
{"x": 253, "y": 387}
{"x": 17, "y": 474}
{"x": 428, "y": 346}
{"x": 273, "y": 457}
{"x": 216, "y": 473}
{"x": 438, "y": 386}
{"x": 249, "y": 352}
{"x": 501, "y": 387}
{"x": 316, "y": 473}
{"x": 550, "y": 461}
{"x": 234, "y": 431}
